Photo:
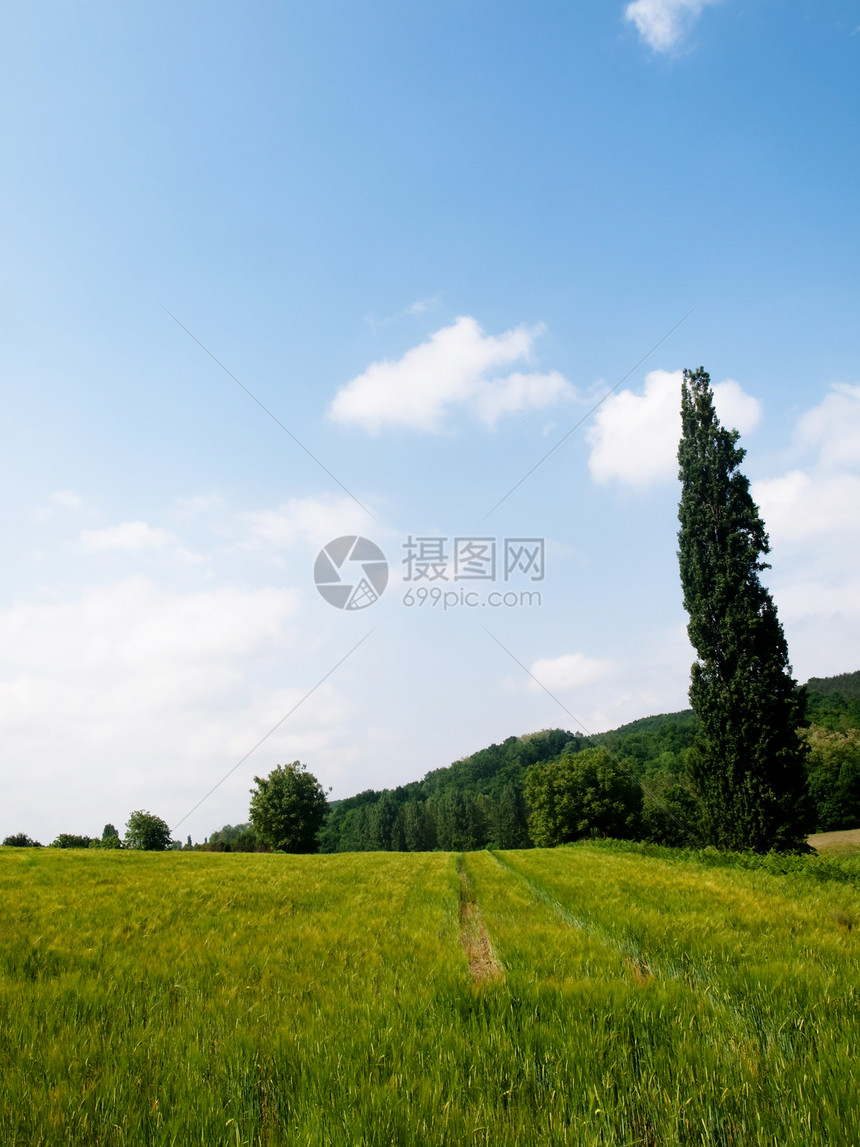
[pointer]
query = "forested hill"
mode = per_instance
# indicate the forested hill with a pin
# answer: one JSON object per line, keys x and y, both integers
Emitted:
{"x": 834, "y": 702}
{"x": 479, "y": 799}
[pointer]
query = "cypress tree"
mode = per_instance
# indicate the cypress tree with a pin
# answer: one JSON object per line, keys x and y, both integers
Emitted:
{"x": 748, "y": 762}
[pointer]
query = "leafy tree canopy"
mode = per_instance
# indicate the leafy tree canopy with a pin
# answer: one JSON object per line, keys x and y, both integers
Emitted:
{"x": 288, "y": 808}
{"x": 70, "y": 840}
{"x": 582, "y": 794}
{"x": 834, "y": 777}
{"x": 146, "y": 831}
{"x": 21, "y": 840}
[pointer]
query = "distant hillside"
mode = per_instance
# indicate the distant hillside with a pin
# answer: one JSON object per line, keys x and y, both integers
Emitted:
{"x": 478, "y": 800}
{"x": 846, "y": 684}
{"x": 834, "y": 702}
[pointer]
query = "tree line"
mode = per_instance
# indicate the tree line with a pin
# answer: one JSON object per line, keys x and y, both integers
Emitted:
{"x": 540, "y": 788}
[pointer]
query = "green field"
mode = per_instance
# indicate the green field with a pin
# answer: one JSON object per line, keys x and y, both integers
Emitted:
{"x": 583, "y": 995}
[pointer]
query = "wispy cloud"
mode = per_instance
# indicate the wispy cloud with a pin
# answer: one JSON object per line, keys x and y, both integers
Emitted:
{"x": 818, "y": 505}
{"x": 59, "y": 500}
{"x": 570, "y": 671}
{"x": 812, "y": 514}
{"x": 301, "y": 520}
{"x": 634, "y": 439}
{"x": 663, "y": 24}
{"x": 134, "y": 538}
{"x": 125, "y": 536}
{"x": 456, "y": 368}
{"x": 419, "y": 307}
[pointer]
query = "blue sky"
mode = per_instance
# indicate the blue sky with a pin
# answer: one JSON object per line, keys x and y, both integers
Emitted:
{"x": 428, "y": 239}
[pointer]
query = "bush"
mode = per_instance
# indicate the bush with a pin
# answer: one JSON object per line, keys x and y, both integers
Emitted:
{"x": 21, "y": 840}
{"x": 70, "y": 840}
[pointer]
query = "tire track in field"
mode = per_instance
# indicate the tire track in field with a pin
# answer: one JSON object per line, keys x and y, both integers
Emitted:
{"x": 643, "y": 967}
{"x": 635, "y": 958}
{"x": 752, "y": 1033}
{"x": 753, "y": 1036}
{"x": 484, "y": 967}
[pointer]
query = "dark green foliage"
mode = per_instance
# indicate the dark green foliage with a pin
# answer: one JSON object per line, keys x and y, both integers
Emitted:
{"x": 384, "y": 825}
{"x": 748, "y": 762}
{"x": 461, "y": 824}
{"x": 109, "y": 833}
{"x": 20, "y": 840}
{"x": 509, "y": 820}
{"x": 419, "y": 828}
{"x": 655, "y": 744}
{"x": 834, "y": 777}
{"x": 106, "y": 842}
{"x": 249, "y": 841}
{"x": 475, "y": 802}
{"x": 493, "y": 811}
{"x": 834, "y": 702}
{"x": 490, "y": 770}
{"x": 229, "y": 835}
{"x": 584, "y": 794}
{"x": 670, "y": 815}
{"x": 70, "y": 840}
{"x": 146, "y": 831}
{"x": 288, "y": 808}
{"x": 845, "y": 685}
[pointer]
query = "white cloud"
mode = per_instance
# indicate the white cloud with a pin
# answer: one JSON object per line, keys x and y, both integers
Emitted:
{"x": 126, "y": 536}
{"x": 62, "y": 499}
{"x": 454, "y": 368}
{"x": 736, "y": 409}
{"x": 422, "y": 305}
{"x": 812, "y": 515}
{"x": 419, "y": 307}
{"x": 198, "y": 505}
{"x": 800, "y": 507}
{"x": 134, "y": 696}
{"x": 570, "y": 671}
{"x": 820, "y": 505}
{"x": 602, "y": 694}
{"x": 304, "y": 520}
{"x": 834, "y": 427}
{"x": 519, "y": 392}
{"x": 67, "y": 499}
{"x": 635, "y": 437}
{"x": 663, "y": 24}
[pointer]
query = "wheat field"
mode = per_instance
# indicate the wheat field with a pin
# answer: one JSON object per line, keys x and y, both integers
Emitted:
{"x": 582, "y": 995}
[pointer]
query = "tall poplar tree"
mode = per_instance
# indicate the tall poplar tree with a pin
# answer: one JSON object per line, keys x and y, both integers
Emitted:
{"x": 748, "y": 762}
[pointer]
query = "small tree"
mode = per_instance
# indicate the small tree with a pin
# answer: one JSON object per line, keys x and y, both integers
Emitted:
{"x": 70, "y": 840}
{"x": 21, "y": 840}
{"x": 288, "y": 808}
{"x": 748, "y": 762}
{"x": 580, "y": 795}
{"x": 146, "y": 831}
